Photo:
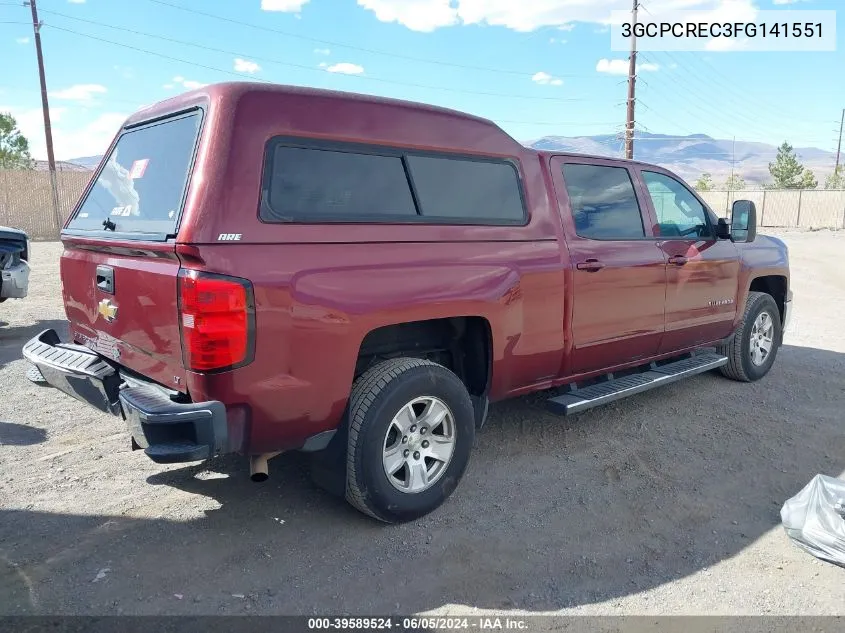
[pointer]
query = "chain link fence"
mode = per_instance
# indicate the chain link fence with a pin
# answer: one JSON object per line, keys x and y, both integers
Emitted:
{"x": 26, "y": 200}
{"x": 26, "y": 203}
{"x": 779, "y": 208}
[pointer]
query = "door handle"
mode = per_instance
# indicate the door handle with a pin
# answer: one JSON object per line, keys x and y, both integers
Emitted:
{"x": 678, "y": 260}
{"x": 591, "y": 265}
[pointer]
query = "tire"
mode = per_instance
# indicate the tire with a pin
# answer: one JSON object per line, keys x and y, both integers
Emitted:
{"x": 741, "y": 365}
{"x": 378, "y": 398}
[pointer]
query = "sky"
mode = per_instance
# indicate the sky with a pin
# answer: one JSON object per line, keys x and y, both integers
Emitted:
{"x": 536, "y": 67}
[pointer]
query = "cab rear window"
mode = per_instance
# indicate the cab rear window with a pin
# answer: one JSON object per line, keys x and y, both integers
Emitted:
{"x": 141, "y": 187}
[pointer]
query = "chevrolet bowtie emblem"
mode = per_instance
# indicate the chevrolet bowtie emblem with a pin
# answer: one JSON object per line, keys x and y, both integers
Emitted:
{"x": 107, "y": 310}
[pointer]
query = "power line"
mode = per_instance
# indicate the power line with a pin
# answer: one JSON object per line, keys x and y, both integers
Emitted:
{"x": 740, "y": 101}
{"x": 156, "y": 54}
{"x": 362, "y": 49}
{"x": 673, "y": 122}
{"x": 360, "y": 77}
{"x": 702, "y": 102}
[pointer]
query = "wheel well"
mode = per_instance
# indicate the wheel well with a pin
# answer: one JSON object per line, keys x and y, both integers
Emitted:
{"x": 463, "y": 344}
{"x": 774, "y": 285}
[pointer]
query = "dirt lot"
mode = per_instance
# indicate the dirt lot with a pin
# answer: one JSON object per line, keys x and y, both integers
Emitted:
{"x": 666, "y": 503}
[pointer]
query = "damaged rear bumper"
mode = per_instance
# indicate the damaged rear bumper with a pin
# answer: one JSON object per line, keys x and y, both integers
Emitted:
{"x": 168, "y": 431}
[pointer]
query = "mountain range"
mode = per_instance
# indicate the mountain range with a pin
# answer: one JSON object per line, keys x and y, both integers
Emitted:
{"x": 689, "y": 156}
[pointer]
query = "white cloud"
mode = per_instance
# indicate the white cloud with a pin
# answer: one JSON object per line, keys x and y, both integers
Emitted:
{"x": 620, "y": 67}
{"x": 246, "y": 66}
{"x": 188, "y": 84}
{"x": 417, "y": 15}
{"x": 612, "y": 66}
{"x": 88, "y": 139}
{"x": 345, "y": 68}
{"x": 557, "y": 40}
{"x": 83, "y": 93}
{"x": 168, "y": 86}
{"x": 286, "y": 6}
{"x": 22, "y": 40}
{"x": 545, "y": 79}
{"x": 428, "y": 15}
{"x": 322, "y": 51}
{"x": 76, "y": 1}
{"x": 788, "y": 1}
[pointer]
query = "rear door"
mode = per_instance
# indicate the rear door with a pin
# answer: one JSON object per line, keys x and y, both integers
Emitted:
{"x": 619, "y": 271}
{"x": 119, "y": 268}
{"x": 702, "y": 272}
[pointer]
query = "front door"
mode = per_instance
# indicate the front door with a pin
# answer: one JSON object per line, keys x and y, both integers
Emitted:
{"x": 618, "y": 270}
{"x": 701, "y": 271}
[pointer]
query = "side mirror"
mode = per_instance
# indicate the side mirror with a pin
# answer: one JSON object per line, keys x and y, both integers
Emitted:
{"x": 743, "y": 221}
{"x": 723, "y": 229}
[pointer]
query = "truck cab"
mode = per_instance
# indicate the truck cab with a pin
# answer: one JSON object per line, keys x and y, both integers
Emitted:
{"x": 259, "y": 268}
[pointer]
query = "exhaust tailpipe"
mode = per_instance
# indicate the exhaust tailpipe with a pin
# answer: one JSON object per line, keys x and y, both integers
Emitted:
{"x": 258, "y": 466}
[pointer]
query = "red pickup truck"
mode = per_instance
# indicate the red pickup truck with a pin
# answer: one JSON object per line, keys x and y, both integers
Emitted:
{"x": 260, "y": 268}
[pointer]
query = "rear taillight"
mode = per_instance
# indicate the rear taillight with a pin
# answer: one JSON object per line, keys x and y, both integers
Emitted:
{"x": 217, "y": 321}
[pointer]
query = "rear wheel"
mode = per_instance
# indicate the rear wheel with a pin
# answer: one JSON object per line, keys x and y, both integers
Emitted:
{"x": 752, "y": 350}
{"x": 411, "y": 429}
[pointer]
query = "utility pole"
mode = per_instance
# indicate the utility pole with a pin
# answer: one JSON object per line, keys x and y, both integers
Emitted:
{"x": 632, "y": 84}
{"x": 839, "y": 147}
{"x": 48, "y": 130}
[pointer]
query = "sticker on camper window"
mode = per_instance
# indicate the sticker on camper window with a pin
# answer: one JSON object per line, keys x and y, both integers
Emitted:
{"x": 122, "y": 211}
{"x": 138, "y": 168}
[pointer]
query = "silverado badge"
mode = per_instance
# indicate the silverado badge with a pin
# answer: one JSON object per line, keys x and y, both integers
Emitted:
{"x": 107, "y": 310}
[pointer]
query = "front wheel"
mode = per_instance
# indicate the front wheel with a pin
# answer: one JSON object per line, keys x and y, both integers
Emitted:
{"x": 752, "y": 350}
{"x": 411, "y": 429}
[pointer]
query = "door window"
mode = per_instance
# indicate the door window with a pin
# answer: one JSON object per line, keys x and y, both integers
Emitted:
{"x": 679, "y": 213}
{"x": 603, "y": 202}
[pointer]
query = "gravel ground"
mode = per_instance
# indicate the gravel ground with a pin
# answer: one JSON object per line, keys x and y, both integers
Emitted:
{"x": 666, "y": 503}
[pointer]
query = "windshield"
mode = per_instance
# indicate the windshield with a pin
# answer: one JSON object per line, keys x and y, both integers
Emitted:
{"x": 142, "y": 185}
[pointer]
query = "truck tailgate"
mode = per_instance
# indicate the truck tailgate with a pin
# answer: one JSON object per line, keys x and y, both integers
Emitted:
{"x": 122, "y": 303}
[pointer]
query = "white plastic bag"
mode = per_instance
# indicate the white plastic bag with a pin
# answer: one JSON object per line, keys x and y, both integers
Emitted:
{"x": 815, "y": 519}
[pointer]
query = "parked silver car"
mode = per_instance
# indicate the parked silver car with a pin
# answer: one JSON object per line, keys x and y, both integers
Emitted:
{"x": 14, "y": 255}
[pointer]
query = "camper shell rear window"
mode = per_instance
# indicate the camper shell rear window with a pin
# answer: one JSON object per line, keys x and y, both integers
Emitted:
{"x": 140, "y": 189}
